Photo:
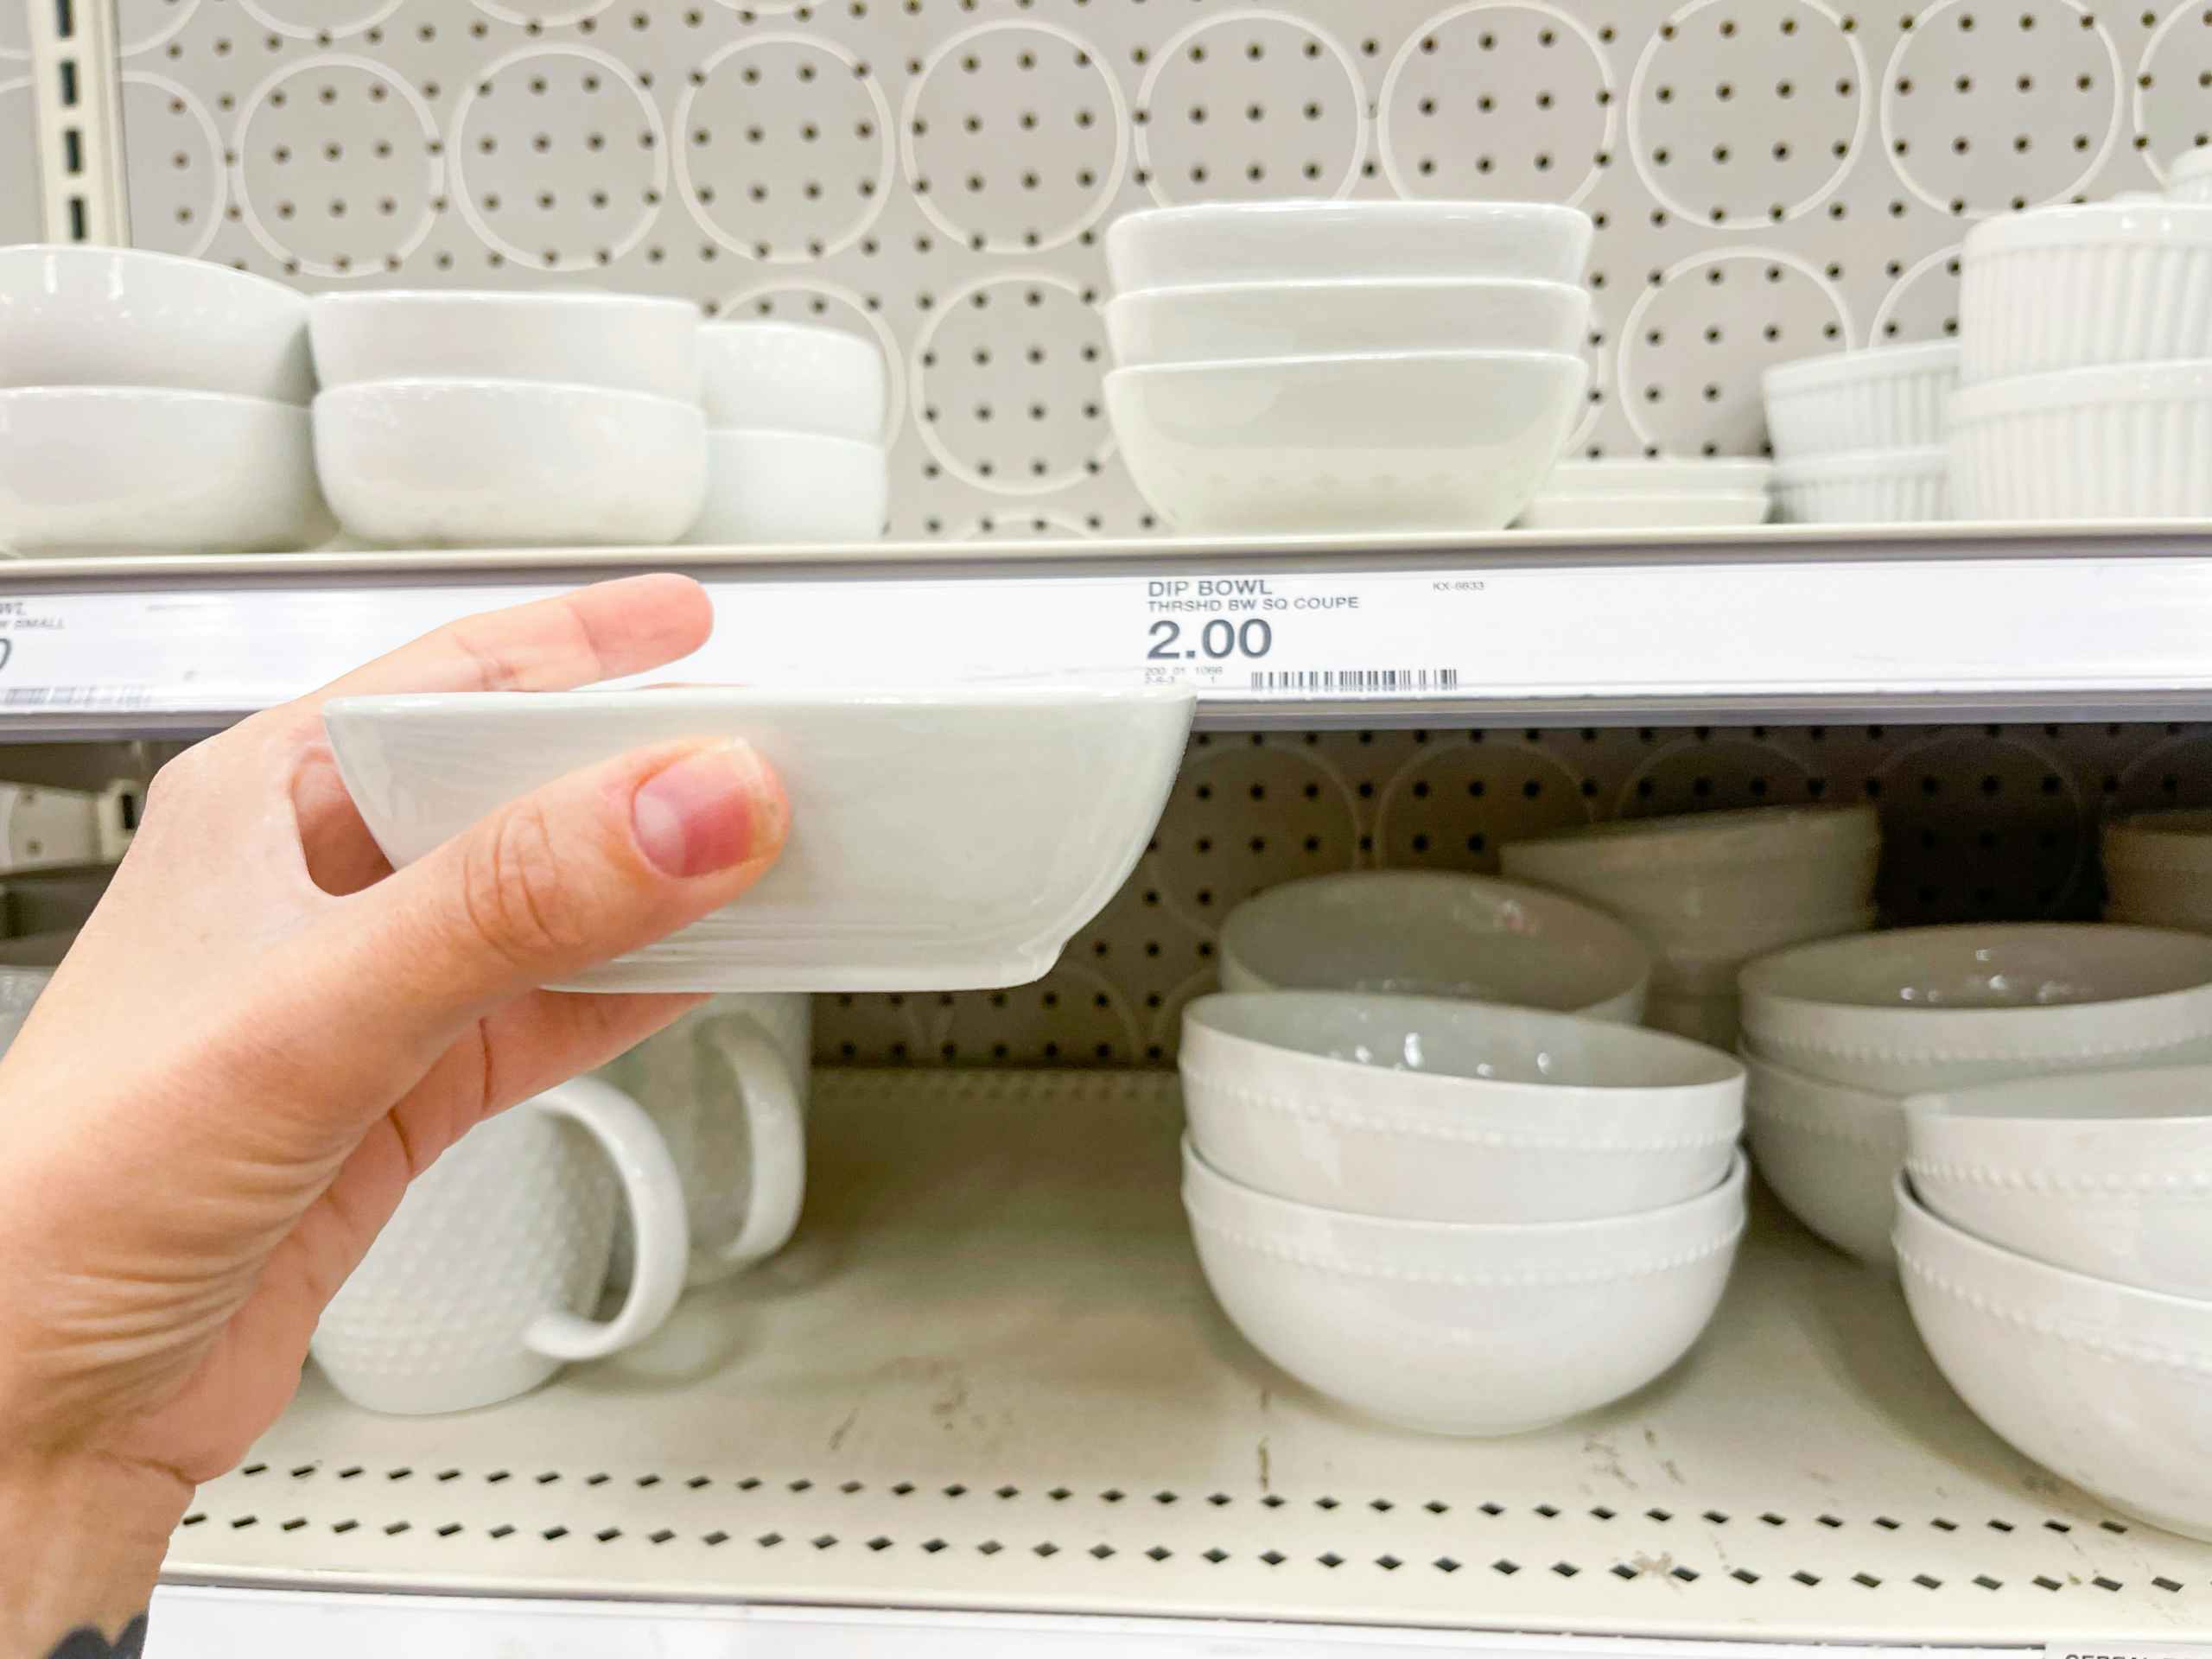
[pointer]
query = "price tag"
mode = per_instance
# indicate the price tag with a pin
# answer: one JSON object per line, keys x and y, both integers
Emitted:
{"x": 1334, "y": 636}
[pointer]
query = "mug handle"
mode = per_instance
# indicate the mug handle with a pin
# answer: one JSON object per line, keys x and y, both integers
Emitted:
{"x": 660, "y": 1231}
{"x": 775, "y": 1126}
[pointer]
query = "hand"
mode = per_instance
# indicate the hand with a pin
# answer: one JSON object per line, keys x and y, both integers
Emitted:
{"x": 264, "y": 1033}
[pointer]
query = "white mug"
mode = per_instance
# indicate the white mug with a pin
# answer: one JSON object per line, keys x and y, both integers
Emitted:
{"x": 727, "y": 1085}
{"x": 475, "y": 1290}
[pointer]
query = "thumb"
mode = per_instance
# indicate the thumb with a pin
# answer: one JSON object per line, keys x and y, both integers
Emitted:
{"x": 592, "y": 866}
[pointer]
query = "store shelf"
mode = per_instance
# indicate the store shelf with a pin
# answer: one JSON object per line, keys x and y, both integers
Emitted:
{"x": 987, "y": 1376}
{"x": 1778, "y": 623}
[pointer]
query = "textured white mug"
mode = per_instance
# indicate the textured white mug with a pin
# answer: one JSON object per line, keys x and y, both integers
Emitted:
{"x": 727, "y": 1085}
{"x": 473, "y": 1290}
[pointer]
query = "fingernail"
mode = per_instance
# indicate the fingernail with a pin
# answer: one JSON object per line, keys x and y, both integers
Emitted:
{"x": 711, "y": 810}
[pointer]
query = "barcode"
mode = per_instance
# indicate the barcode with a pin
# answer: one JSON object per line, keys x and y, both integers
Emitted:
{"x": 77, "y": 697}
{"x": 1354, "y": 680}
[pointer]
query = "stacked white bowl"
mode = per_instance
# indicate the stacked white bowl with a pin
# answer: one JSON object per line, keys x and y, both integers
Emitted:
{"x": 1858, "y": 437}
{"x": 151, "y": 403}
{"x": 2158, "y": 870}
{"x": 2189, "y": 175}
{"x": 795, "y": 440}
{"x": 2054, "y": 1238}
{"x": 1837, "y": 1035}
{"x": 1458, "y": 1218}
{"x": 1661, "y": 494}
{"x": 1345, "y": 366}
{"x": 2086, "y": 364}
{"x": 452, "y": 418}
{"x": 1709, "y": 891}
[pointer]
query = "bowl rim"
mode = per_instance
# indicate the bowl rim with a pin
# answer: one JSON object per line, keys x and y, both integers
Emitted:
{"x": 1863, "y": 363}
{"x": 2158, "y": 221}
{"x": 1297, "y": 207}
{"x": 145, "y": 395}
{"x": 1729, "y": 835}
{"x": 1839, "y": 1098}
{"x": 213, "y": 270}
{"x": 1310, "y": 286}
{"x": 1963, "y": 1105}
{"x": 1554, "y": 362}
{"x": 549, "y": 392}
{"x": 2088, "y": 387}
{"x": 520, "y": 299}
{"x": 721, "y": 332}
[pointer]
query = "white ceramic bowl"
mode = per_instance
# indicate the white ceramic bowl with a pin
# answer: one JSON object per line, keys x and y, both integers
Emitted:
{"x": 1305, "y": 241}
{"x": 110, "y": 470}
{"x": 1432, "y": 933}
{"x": 1942, "y": 1007}
{"x": 571, "y": 337}
{"x": 1724, "y": 476}
{"x": 2104, "y": 1173}
{"x": 460, "y": 463}
{"x": 1548, "y": 511}
{"x": 2189, "y": 175}
{"x": 1413, "y": 441}
{"x": 793, "y": 487}
{"x": 1883, "y": 398}
{"x": 1454, "y": 1328}
{"x": 1430, "y": 1110}
{"x": 2158, "y": 870}
{"x": 793, "y": 377}
{"x": 93, "y": 316}
{"x": 1866, "y": 486}
{"x": 1711, "y": 1017}
{"x": 2103, "y": 1384}
{"x": 2120, "y": 442}
{"x": 1706, "y": 958}
{"x": 2074, "y": 287}
{"x": 948, "y": 839}
{"x": 1248, "y": 320}
{"x": 1831, "y": 1153}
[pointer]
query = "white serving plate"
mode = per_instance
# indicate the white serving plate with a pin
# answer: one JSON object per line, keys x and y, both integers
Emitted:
{"x": 509, "y": 463}
{"x": 1320, "y": 319}
{"x": 1458, "y": 1328}
{"x": 1382, "y": 443}
{"x": 792, "y": 376}
{"x": 2108, "y": 1173}
{"x": 1831, "y": 1153}
{"x": 1434, "y": 933}
{"x": 793, "y": 487}
{"x": 1430, "y": 1110}
{"x": 941, "y": 840}
{"x": 1882, "y": 397}
{"x": 124, "y": 469}
{"x": 576, "y": 337}
{"x": 2081, "y": 286}
{"x": 2122, "y": 441}
{"x": 1299, "y": 241}
{"x": 1866, "y": 486}
{"x": 95, "y": 316}
{"x": 2104, "y": 1385}
{"x": 1940, "y": 1008}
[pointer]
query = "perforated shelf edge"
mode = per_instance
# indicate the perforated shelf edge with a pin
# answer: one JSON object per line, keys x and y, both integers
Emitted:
{"x": 988, "y": 1376}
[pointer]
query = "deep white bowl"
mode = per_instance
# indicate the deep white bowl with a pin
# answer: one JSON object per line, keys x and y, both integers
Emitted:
{"x": 2189, "y": 175}
{"x": 1942, "y": 1007}
{"x": 1831, "y": 1153}
{"x": 1866, "y": 486}
{"x": 573, "y": 337}
{"x": 950, "y": 840}
{"x": 1549, "y": 511}
{"x": 2158, "y": 870}
{"x": 95, "y": 316}
{"x": 793, "y": 487}
{"x": 2079, "y": 286}
{"x": 1250, "y": 319}
{"x": 1883, "y": 398}
{"x": 114, "y": 469}
{"x": 792, "y": 376}
{"x": 2105, "y": 1172}
{"x": 1412, "y": 441}
{"x": 2125, "y": 441}
{"x": 1305, "y": 241}
{"x": 460, "y": 463}
{"x": 1432, "y": 933}
{"x": 1430, "y": 1110}
{"x": 2103, "y": 1384}
{"x": 1454, "y": 1328}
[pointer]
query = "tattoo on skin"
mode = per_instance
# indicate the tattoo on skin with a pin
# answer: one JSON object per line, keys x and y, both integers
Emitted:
{"x": 89, "y": 1644}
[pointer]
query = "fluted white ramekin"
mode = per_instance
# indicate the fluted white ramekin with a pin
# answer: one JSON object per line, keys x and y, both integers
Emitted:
{"x": 1867, "y": 486}
{"x": 1886, "y": 397}
{"x": 2127, "y": 442}
{"x": 2063, "y": 288}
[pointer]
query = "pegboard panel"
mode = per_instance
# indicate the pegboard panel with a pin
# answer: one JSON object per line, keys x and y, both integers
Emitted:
{"x": 1979, "y": 822}
{"x": 1771, "y": 178}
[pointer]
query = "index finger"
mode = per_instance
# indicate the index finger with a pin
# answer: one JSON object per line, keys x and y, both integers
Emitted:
{"x": 599, "y": 633}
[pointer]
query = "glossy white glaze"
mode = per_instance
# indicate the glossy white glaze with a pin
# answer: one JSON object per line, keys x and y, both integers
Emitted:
{"x": 621, "y": 343}
{"x": 793, "y": 377}
{"x": 793, "y": 487}
{"x": 1283, "y": 241}
{"x": 1217, "y": 321}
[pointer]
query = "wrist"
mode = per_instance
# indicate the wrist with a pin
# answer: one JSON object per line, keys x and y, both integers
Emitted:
{"x": 81, "y": 1541}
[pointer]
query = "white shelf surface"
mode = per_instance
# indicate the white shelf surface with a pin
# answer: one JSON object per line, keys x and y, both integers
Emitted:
{"x": 1780, "y": 622}
{"x": 988, "y": 1376}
